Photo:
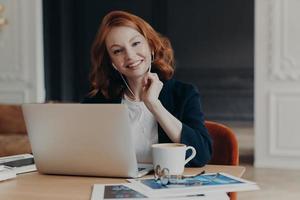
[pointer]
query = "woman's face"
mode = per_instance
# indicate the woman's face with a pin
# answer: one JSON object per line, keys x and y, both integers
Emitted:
{"x": 129, "y": 51}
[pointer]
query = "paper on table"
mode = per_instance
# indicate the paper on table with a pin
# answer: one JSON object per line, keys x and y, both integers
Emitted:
{"x": 213, "y": 182}
{"x": 127, "y": 191}
{"x": 6, "y": 173}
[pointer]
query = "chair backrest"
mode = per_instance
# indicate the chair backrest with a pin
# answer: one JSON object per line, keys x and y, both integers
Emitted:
{"x": 225, "y": 145}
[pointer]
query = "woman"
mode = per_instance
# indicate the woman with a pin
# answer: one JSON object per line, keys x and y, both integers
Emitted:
{"x": 133, "y": 64}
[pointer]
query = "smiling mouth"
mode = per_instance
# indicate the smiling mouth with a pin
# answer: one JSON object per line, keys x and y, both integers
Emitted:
{"x": 135, "y": 64}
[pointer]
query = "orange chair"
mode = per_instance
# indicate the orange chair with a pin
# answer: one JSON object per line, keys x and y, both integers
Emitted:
{"x": 225, "y": 147}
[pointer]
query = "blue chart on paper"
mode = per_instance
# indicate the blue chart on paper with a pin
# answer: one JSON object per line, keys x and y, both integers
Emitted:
{"x": 121, "y": 192}
{"x": 201, "y": 180}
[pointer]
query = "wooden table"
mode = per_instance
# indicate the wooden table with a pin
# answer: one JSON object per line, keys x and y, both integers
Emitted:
{"x": 35, "y": 186}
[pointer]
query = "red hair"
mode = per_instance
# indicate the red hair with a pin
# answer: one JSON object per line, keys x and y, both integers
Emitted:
{"x": 103, "y": 77}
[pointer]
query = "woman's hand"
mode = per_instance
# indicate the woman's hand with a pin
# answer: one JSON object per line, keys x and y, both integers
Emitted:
{"x": 151, "y": 90}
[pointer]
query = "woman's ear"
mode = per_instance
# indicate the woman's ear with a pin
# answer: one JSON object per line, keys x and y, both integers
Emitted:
{"x": 152, "y": 56}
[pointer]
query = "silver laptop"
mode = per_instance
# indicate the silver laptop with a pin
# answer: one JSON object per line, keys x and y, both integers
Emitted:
{"x": 82, "y": 139}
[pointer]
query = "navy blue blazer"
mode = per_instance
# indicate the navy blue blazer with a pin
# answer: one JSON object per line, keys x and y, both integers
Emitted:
{"x": 183, "y": 101}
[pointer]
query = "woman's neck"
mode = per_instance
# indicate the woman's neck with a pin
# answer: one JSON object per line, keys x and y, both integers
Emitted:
{"x": 136, "y": 87}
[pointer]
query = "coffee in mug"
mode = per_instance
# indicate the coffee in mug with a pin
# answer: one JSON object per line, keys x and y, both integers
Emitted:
{"x": 171, "y": 156}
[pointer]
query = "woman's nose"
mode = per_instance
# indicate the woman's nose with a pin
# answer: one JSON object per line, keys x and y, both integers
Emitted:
{"x": 130, "y": 53}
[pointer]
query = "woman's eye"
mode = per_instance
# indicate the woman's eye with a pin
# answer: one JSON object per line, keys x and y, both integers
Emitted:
{"x": 136, "y": 43}
{"x": 117, "y": 51}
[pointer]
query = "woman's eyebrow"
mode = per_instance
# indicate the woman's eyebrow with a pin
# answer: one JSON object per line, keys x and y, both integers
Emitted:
{"x": 134, "y": 37}
{"x": 116, "y": 45}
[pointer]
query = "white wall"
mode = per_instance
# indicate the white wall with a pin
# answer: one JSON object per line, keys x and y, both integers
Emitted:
{"x": 21, "y": 52}
{"x": 277, "y": 83}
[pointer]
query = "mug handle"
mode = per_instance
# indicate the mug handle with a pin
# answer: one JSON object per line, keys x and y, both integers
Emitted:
{"x": 191, "y": 156}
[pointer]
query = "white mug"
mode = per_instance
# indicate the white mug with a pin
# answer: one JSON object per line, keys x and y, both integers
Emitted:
{"x": 171, "y": 156}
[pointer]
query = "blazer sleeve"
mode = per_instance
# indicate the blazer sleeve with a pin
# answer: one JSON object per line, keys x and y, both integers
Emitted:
{"x": 194, "y": 132}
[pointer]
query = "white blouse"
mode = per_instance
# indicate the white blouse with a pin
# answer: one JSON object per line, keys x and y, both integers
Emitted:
{"x": 144, "y": 129}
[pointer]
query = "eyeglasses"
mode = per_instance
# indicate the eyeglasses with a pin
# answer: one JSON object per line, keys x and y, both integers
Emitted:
{"x": 164, "y": 178}
{"x": 161, "y": 175}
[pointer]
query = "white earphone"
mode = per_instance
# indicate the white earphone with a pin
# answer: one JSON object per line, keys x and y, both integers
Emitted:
{"x": 123, "y": 80}
{"x": 114, "y": 66}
